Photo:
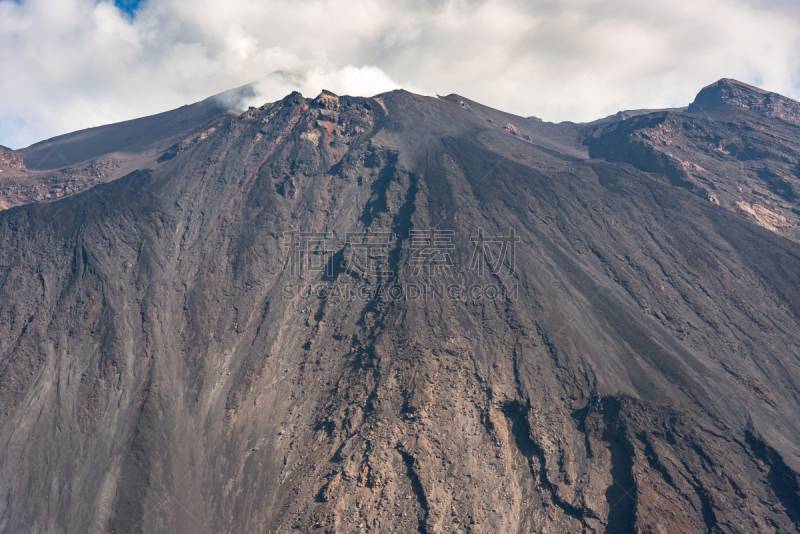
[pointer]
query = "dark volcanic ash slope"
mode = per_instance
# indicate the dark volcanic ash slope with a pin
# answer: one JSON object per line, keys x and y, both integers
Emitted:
{"x": 71, "y": 163}
{"x": 130, "y": 137}
{"x": 158, "y": 373}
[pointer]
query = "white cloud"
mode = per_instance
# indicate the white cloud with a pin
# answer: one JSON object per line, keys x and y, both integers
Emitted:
{"x": 348, "y": 80}
{"x": 77, "y": 63}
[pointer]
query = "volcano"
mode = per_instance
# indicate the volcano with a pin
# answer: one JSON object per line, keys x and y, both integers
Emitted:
{"x": 405, "y": 314}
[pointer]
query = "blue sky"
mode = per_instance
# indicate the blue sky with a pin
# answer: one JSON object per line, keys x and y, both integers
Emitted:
{"x": 127, "y": 6}
{"x": 72, "y": 64}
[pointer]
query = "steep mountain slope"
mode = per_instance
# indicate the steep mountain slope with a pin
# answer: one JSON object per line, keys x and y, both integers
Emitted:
{"x": 171, "y": 360}
{"x": 129, "y": 137}
{"x": 71, "y": 163}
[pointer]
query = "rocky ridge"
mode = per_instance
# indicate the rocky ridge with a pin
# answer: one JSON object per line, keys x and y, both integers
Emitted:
{"x": 732, "y": 155}
{"x": 727, "y": 92}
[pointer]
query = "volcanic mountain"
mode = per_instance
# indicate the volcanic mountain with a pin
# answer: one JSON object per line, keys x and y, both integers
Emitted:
{"x": 408, "y": 314}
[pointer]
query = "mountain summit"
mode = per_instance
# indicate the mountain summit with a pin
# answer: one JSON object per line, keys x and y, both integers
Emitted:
{"x": 734, "y": 93}
{"x": 408, "y": 314}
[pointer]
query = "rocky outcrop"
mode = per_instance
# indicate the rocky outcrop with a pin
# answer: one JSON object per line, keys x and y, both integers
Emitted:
{"x": 16, "y": 190}
{"x": 726, "y": 92}
{"x": 10, "y": 161}
{"x": 742, "y": 160}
